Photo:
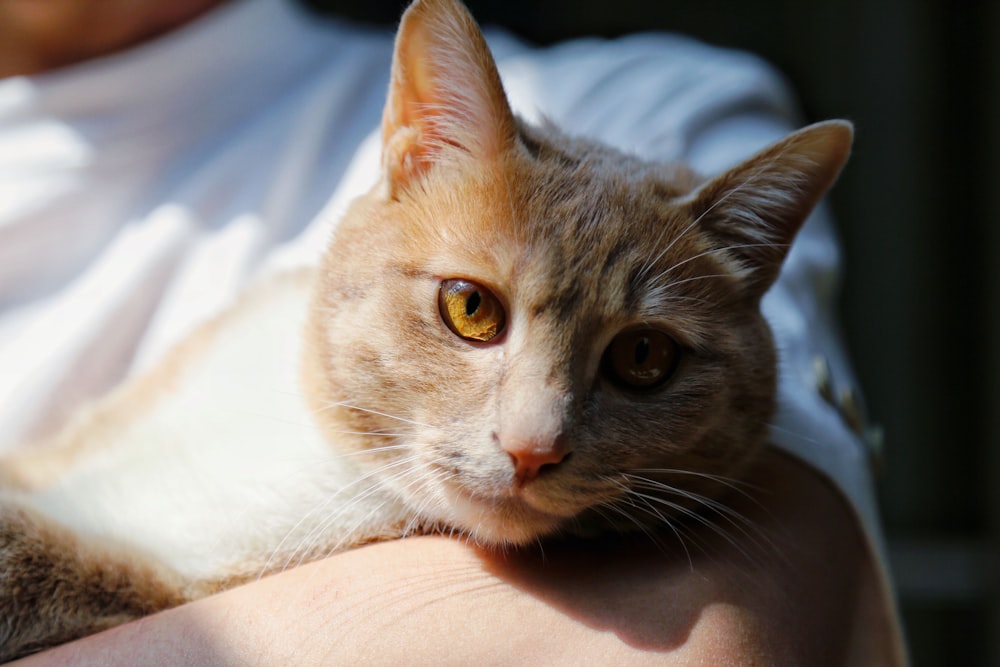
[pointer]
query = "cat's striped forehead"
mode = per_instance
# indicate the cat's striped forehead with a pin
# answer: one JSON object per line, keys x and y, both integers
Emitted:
{"x": 609, "y": 234}
{"x": 573, "y": 232}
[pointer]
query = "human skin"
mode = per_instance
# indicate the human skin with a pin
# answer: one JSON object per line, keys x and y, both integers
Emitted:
{"x": 792, "y": 585}
{"x": 40, "y": 35}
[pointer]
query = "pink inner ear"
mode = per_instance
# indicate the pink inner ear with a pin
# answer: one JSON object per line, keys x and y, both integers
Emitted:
{"x": 445, "y": 93}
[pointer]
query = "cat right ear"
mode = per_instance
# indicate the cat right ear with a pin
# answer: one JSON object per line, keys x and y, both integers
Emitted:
{"x": 755, "y": 209}
{"x": 445, "y": 96}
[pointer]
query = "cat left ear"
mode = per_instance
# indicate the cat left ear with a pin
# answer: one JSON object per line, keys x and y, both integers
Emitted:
{"x": 445, "y": 94}
{"x": 755, "y": 209}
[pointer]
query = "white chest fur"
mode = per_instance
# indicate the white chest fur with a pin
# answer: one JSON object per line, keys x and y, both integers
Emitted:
{"x": 222, "y": 470}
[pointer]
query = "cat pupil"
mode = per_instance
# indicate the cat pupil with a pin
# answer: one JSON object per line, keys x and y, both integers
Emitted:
{"x": 641, "y": 351}
{"x": 472, "y": 305}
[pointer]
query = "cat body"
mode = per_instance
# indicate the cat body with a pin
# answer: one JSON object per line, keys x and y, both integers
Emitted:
{"x": 183, "y": 463}
{"x": 514, "y": 334}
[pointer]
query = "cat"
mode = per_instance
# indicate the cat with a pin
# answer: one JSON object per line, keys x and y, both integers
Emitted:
{"x": 514, "y": 334}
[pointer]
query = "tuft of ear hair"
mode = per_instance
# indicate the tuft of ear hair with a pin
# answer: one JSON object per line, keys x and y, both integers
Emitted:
{"x": 445, "y": 96}
{"x": 755, "y": 209}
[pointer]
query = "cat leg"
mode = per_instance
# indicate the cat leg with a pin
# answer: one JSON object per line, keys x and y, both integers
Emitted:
{"x": 56, "y": 586}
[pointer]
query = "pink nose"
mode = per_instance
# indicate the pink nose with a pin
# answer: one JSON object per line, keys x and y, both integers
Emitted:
{"x": 530, "y": 456}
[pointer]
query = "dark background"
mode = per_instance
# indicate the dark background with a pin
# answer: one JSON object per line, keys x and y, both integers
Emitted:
{"x": 920, "y": 223}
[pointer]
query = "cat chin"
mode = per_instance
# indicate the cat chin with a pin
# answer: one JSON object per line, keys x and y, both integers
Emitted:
{"x": 499, "y": 521}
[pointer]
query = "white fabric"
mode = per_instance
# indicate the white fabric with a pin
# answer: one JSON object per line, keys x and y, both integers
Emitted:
{"x": 140, "y": 192}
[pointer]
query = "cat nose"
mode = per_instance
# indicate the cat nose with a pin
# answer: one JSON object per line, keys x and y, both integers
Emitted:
{"x": 531, "y": 455}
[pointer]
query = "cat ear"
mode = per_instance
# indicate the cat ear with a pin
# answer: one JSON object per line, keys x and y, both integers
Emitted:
{"x": 445, "y": 94}
{"x": 755, "y": 209}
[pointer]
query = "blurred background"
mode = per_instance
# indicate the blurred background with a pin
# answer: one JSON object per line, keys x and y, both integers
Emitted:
{"x": 919, "y": 215}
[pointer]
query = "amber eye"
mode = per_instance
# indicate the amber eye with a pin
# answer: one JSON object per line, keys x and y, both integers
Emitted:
{"x": 470, "y": 310}
{"x": 640, "y": 358}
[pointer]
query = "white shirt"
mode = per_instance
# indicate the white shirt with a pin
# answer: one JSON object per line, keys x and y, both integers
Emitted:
{"x": 140, "y": 192}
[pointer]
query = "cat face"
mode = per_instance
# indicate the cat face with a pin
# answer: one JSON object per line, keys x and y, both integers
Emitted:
{"x": 528, "y": 333}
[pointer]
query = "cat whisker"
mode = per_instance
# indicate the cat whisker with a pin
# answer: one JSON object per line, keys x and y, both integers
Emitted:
{"x": 713, "y": 251}
{"x": 643, "y": 527}
{"x": 660, "y": 295}
{"x": 419, "y": 476}
{"x": 351, "y": 406}
{"x": 739, "y": 486}
{"x": 715, "y": 505}
{"x": 692, "y": 279}
{"x": 308, "y": 541}
{"x": 729, "y": 515}
{"x": 435, "y": 476}
{"x": 647, "y": 507}
{"x": 745, "y": 185}
{"x": 373, "y": 434}
{"x": 746, "y": 528}
{"x": 405, "y": 446}
{"x": 649, "y": 264}
{"x": 692, "y": 515}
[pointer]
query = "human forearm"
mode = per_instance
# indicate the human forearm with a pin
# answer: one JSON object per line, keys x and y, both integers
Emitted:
{"x": 784, "y": 593}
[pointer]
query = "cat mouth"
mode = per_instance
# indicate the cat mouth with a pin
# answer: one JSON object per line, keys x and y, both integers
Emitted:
{"x": 497, "y": 513}
{"x": 505, "y": 518}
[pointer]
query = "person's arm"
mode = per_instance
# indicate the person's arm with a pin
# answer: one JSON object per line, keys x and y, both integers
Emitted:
{"x": 789, "y": 583}
{"x": 36, "y": 38}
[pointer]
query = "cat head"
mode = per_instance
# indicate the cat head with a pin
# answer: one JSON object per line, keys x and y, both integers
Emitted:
{"x": 528, "y": 332}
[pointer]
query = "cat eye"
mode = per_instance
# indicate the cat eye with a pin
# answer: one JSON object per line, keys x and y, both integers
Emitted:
{"x": 640, "y": 358}
{"x": 470, "y": 310}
